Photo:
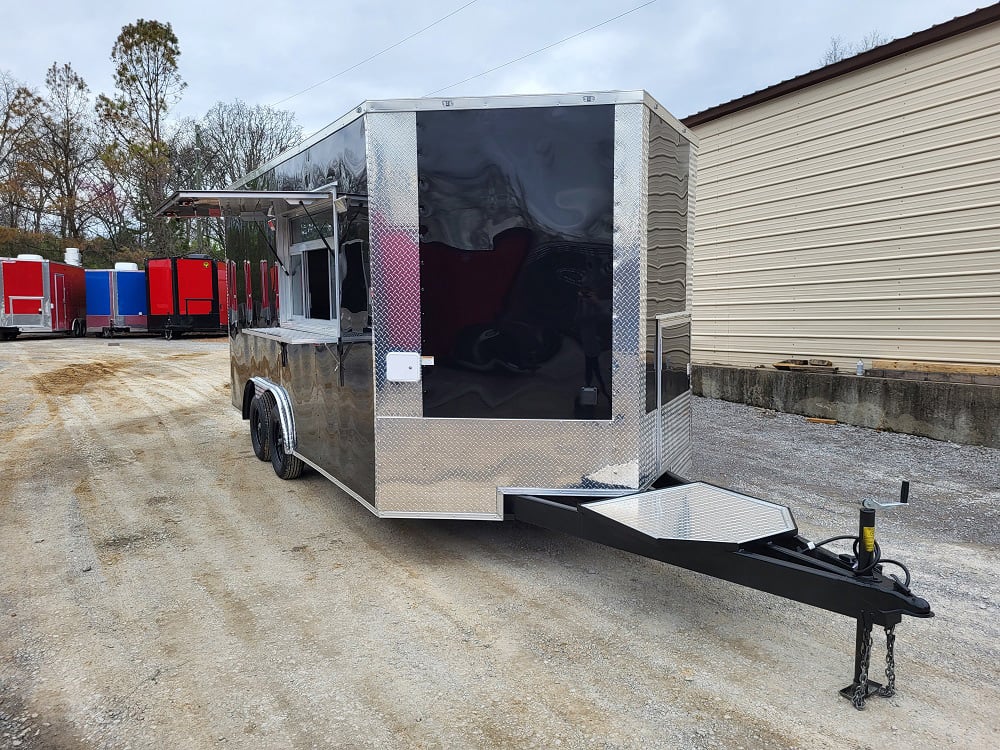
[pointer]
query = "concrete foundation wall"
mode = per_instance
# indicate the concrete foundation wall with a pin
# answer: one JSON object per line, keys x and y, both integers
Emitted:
{"x": 957, "y": 412}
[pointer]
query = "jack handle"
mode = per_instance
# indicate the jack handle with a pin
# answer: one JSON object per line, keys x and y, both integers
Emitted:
{"x": 904, "y": 499}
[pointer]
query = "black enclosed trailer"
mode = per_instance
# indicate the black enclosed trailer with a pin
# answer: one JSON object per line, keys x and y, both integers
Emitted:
{"x": 484, "y": 312}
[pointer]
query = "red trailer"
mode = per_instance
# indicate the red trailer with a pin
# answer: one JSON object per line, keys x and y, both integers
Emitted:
{"x": 41, "y": 296}
{"x": 186, "y": 295}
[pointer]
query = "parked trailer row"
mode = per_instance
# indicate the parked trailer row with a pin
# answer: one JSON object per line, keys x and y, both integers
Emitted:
{"x": 170, "y": 296}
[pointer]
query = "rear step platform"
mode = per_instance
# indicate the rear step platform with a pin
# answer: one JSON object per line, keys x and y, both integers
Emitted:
{"x": 697, "y": 512}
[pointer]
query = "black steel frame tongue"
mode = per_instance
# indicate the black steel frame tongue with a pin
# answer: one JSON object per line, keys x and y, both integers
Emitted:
{"x": 785, "y": 564}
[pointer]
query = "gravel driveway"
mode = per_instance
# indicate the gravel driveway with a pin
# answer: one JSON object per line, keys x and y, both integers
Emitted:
{"x": 161, "y": 588}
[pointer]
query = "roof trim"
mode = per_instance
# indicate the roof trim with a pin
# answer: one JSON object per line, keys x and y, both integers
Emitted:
{"x": 941, "y": 31}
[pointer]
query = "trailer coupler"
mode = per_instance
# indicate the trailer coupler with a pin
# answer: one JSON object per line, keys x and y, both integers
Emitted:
{"x": 751, "y": 542}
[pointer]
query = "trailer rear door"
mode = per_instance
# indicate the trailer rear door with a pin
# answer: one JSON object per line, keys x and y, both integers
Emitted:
{"x": 160, "y": 278}
{"x": 195, "y": 287}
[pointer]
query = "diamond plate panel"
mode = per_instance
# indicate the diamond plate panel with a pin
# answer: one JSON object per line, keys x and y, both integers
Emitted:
{"x": 675, "y": 436}
{"x": 698, "y": 513}
{"x": 628, "y": 363}
{"x": 453, "y": 466}
{"x": 391, "y": 146}
{"x": 648, "y": 466}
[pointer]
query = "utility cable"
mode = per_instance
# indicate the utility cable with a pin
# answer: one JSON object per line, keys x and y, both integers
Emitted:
{"x": 541, "y": 49}
{"x": 377, "y": 54}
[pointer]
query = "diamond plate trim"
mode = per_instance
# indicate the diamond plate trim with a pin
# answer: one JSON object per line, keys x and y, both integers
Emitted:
{"x": 391, "y": 147}
{"x": 628, "y": 370}
{"x": 698, "y": 513}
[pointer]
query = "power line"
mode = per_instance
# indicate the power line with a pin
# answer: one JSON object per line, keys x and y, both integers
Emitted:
{"x": 380, "y": 52}
{"x": 541, "y": 49}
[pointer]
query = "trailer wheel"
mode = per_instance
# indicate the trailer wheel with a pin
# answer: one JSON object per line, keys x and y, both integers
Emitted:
{"x": 285, "y": 466}
{"x": 261, "y": 409}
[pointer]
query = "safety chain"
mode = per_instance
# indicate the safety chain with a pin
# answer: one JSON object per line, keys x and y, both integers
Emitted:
{"x": 889, "y": 689}
{"x": 861, "y": 689}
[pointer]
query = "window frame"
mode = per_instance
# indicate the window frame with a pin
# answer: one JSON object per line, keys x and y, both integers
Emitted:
{"x": 287, "y": 286}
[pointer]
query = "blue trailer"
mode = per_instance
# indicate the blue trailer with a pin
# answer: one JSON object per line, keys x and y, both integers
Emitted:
{"x": 116, "y": 300}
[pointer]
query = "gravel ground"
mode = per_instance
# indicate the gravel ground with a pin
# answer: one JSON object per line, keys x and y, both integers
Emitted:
{"x": 161, "y": 588}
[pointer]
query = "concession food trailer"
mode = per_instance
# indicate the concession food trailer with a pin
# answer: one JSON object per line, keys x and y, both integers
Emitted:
{"x": 483, "y": 311}
{"x": 41, "y": 296}
{"x": 186, "y": 295}
{"x": 116, "y": 300}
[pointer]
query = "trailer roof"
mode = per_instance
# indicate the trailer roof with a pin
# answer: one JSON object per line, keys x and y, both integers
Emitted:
{"x": 189, "y": 204}
{"x": 511, "y": 101}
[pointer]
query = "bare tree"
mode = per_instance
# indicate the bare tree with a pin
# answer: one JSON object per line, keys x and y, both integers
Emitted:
{"x": 237, "y": 138}
{"x": 840, "y": 49}
{"x": 65, "y": 148}
{"x": 147, "y": 85}
{"x": 231, "y": 140}
{"x": 19, "y": 115}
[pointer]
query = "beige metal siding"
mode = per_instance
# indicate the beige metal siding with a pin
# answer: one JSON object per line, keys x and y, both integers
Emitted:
{"x": 859, "y": 217}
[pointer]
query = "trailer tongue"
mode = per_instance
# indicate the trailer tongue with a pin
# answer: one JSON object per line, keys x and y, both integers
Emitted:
{"x": 751, "y": 542}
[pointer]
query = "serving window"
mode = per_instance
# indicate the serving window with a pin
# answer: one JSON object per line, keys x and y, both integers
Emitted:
{"x": 312, "y": 291}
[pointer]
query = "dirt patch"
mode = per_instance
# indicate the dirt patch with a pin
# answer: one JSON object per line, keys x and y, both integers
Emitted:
{"x": 72, "y": 379}
{"x": 113, "y": 548}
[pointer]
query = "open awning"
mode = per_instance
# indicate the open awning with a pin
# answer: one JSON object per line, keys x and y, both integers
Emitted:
{"x": 255, "y": 205}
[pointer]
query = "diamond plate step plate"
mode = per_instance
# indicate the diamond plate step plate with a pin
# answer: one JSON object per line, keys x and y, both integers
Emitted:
{"x": 698, "y": 512}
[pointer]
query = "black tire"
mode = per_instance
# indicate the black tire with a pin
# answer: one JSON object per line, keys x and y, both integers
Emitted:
{"x": 261, "y": 409}
{"x": 285, "y": 466}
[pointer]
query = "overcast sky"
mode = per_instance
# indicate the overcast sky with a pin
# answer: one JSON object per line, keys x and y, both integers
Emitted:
{"x": 688, "y": 55}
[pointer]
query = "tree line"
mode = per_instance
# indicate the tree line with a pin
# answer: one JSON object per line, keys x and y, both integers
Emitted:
{"x": 85, "y": 171}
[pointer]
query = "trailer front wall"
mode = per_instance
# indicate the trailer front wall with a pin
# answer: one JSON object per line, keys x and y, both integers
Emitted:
{"x": 41, "y": 296}
{"x": 25, "y": 294}
{"x": 452, "y": 465}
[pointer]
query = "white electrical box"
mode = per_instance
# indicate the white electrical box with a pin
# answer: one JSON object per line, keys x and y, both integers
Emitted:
{"x": 402, "y": 367}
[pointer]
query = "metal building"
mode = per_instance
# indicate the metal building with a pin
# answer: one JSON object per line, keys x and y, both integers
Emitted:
{"x": 852, "y": 212}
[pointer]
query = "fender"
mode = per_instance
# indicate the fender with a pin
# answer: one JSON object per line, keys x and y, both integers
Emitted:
{"x": 283, "y": 409}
